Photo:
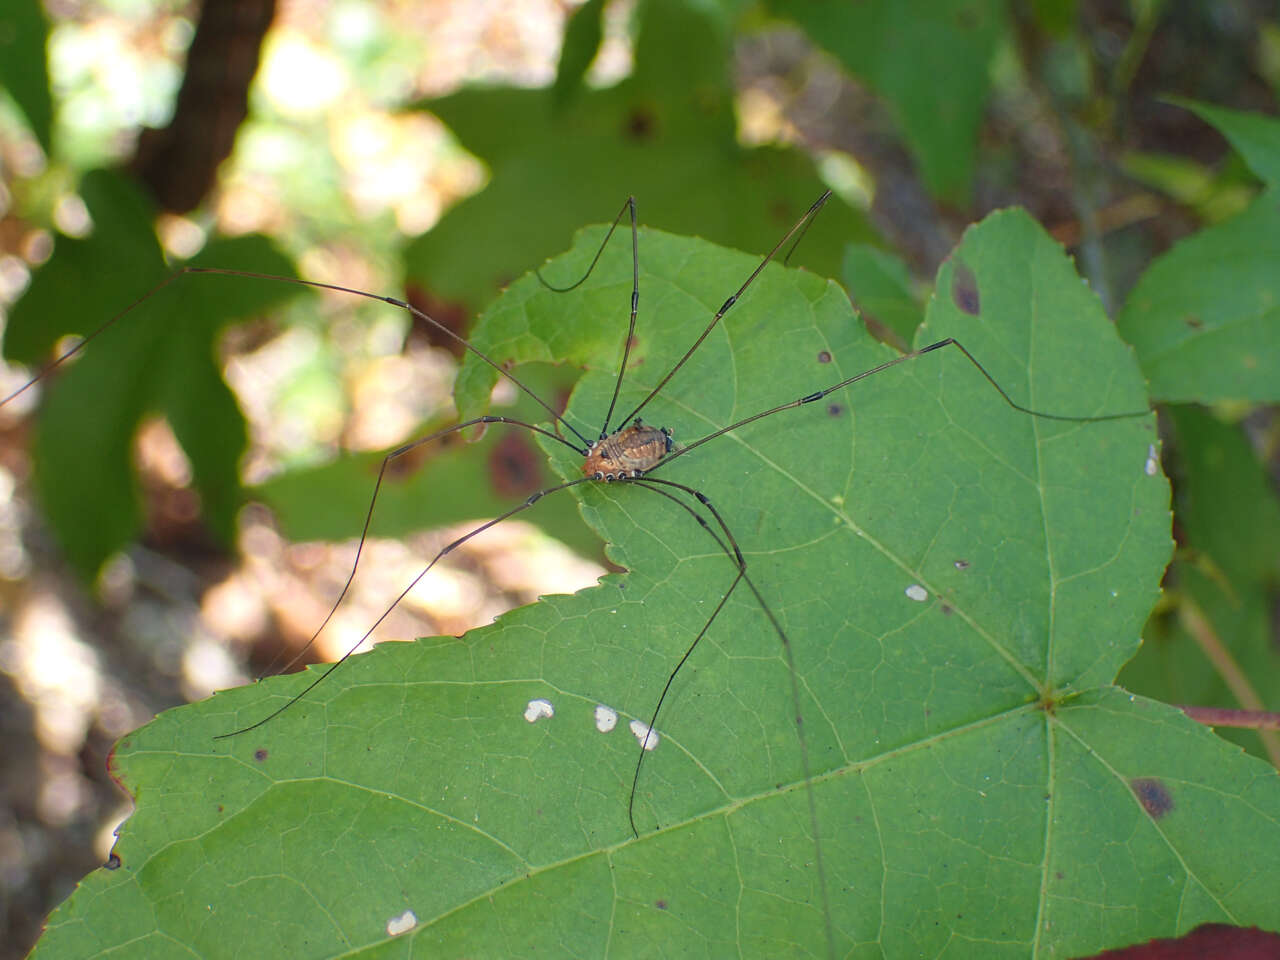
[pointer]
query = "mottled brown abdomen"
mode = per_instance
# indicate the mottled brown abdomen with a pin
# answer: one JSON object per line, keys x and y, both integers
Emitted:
{"x": 628, "y": 452}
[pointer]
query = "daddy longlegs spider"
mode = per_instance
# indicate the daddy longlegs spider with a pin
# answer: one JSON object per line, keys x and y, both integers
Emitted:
{"x": 683, "y": 360}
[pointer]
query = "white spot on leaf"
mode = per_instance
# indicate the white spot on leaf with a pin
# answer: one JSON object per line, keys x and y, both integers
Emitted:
{"x": 1153, "y": 463}
{"x": 402, "y": 924}
{"x": 537, "y": 709}
{"x": 606, "y": 718}
{"x": 917, "y": 593}
{"x": 646, "y": 737}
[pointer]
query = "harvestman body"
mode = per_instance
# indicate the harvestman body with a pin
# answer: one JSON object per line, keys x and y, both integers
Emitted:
{"x": 628, "y": 453}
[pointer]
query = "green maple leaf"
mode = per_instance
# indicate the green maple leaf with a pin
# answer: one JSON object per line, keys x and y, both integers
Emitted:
{"x": 959, "y": 583}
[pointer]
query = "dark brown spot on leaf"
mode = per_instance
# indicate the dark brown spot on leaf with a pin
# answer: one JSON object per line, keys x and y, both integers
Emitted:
{"x": 660, "y": 904}
{"x": 964, "y": 289}
{"x": 513, "y": 466}
{"x": 113, "y": 862}
{"x": 1194, "y": 322}
{"x": 835, "y": 410}
{"x": 453, "y": 316}
{"x": 260, "y": 755}
{"x": 824, "y": 356}
{"x": 962, "y": 564}
{"x": 641, "y": 124}
{"x": 1153, "y": 795}
{"x": 410, "y": 462}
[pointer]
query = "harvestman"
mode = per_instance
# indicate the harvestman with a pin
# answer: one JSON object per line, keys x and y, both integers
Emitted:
{"x": 628, "y": 454}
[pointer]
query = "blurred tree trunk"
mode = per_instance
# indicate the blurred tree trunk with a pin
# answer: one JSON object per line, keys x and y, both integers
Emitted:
{"x": 180, "y": 162}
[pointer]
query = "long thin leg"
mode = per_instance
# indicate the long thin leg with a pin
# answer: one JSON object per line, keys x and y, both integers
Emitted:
{"x": 728, "y": 304}
{"x": 449, "y": 548}
{"x": 798, "y": 231}
{"x": 730, "y": 547}
{"x": 629, "y": 205}
{"x": 736, "y": 557}
{"x": 373, "y": 500}
{"x": 808, "y": 222}
{"x": 315, "y": 284}
{"x": 89, "y": 338}
{"x": 948, "y": 342}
